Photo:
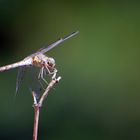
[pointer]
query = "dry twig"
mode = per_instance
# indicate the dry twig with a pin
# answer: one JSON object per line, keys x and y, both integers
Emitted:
{"x": 38, "y": 105}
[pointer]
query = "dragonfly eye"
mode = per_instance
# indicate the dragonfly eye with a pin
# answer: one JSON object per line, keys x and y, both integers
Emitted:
{"x": 51, "y": 62}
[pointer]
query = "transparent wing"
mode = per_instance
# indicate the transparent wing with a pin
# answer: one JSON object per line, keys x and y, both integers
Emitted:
{"x": 46, "y": 49}
{"x": 20, "y": 76}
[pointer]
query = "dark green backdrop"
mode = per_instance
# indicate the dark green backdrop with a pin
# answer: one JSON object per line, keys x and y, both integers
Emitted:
{"x": 98, "y": 97}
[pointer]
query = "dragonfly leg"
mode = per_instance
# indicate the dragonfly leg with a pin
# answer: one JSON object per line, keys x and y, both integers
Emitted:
{"x": 41, "y": 75}
{"x": 48, "y": 70}
{"x": 41, "y": 84}
{"x": 52, "y": 73}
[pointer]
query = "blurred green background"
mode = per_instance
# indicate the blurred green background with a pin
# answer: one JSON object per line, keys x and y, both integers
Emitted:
{"x": 99, "y": 94}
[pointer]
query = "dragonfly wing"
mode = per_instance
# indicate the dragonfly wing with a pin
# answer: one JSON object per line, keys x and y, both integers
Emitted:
{"x": 20, "y": 75}
{"x": 58, "y": 42}
{"x": 46, "y": 49}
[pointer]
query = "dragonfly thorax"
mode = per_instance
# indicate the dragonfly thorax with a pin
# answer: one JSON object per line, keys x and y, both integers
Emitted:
{"x": 37, "y": 61}
{"x": 42, "y": 60}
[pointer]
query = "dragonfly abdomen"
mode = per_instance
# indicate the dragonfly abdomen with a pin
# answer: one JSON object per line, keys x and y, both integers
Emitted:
{"x": 11, "y": 66}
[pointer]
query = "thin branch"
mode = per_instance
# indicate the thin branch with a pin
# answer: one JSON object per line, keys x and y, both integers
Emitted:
{"x": 36, "y": 120}
{"x": 38, "y": 105}
{"x": 45, "y": 94}
{"x": 34, "y": 98}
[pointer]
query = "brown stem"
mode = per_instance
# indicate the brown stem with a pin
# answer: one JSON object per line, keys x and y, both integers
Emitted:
{"x": 45, "y": 94}
{"x": 36, "y": 119}
{"x": 38, "y": 105}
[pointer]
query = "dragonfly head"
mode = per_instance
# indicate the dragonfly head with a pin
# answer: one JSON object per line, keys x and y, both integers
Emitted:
{"x": 51, "y": 62}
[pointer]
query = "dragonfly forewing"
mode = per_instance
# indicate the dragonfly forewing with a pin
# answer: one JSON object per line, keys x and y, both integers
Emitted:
{"x": 46, "y": 49}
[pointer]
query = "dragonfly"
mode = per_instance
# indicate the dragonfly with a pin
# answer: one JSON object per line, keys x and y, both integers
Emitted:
{"x": 38, "y": 59}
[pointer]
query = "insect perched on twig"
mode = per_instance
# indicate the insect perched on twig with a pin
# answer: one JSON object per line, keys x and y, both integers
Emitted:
{"x": 38, "y": 59}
